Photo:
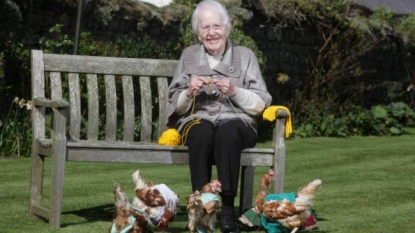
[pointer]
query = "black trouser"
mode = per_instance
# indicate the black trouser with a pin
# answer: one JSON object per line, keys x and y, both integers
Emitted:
{"x": 220, "y": 145}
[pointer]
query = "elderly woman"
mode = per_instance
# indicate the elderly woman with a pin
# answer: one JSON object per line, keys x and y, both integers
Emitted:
{"x": 215, "y": 94}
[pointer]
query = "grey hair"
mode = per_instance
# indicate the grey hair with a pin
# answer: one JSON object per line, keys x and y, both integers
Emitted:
{"x": 210, "y": 4}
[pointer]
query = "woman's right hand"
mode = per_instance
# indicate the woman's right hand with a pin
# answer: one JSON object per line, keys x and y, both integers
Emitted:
{"x": 196, "y": 83}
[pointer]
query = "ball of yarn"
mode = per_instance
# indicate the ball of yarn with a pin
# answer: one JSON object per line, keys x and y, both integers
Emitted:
{"x": 170, "y": 137}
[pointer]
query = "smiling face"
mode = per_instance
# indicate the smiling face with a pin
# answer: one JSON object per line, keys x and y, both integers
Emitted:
{"x": 212, "y": 31}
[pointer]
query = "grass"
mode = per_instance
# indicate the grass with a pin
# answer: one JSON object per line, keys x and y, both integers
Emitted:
{"x": 367, "y": 186}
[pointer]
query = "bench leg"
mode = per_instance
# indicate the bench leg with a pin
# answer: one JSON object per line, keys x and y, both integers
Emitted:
{"x": 58, "y": 168}
{"x": 36, "y": 182}
{"x": 247, "y": 188}
{"x": 57, "y": 184}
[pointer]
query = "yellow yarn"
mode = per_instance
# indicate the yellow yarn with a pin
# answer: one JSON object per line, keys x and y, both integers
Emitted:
{"x": 270, "y": 114}
{"x": 187, "y": 129}
{"x": 170, "y": 137}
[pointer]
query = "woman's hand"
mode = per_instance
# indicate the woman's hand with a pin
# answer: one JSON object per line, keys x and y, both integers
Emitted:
{"x": 196, "y": 83}
{"x": 225, "y": 86}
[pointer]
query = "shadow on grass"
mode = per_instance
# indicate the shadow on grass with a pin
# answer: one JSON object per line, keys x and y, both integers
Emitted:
{"x": 96, "y": 213}
{"x": 105, "y": 213}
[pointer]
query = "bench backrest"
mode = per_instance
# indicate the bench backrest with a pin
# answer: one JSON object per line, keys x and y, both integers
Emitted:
{"x": 97, "y": 88}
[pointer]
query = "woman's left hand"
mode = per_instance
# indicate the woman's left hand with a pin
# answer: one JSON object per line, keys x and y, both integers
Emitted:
{"x": 225, "y": 86}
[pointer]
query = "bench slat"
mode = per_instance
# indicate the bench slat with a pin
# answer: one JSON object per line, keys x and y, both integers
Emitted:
{"x": 163, "y": 85}
{"x": 139, "y": 146}
{"x": 75, "y": 106}
{"x": 151, "y": 156}
{"x": 93, "y": 106}
{"x": 111, "y": 108}
{"x": 109, "y": 65}
{"x": 79, "y": 149}
{"x": 56, "y": 83}
{"x": 146, "y": 109}
{"x": 101, "y": 151}
{"x": 129, "y": 108}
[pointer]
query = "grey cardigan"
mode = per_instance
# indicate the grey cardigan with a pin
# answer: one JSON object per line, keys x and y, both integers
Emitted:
{"x": 238, "y": 64}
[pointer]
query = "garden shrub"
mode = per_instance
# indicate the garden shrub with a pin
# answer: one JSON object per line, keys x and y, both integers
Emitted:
{"x": 379, "y": 120}
{"x": 16, "y": 133}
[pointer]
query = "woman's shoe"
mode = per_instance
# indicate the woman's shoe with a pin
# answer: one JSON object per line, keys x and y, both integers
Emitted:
{"x": 228, "y": 225}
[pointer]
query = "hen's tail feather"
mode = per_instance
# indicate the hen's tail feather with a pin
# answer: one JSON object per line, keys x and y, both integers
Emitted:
{"x": 310, "y": 188}
{"x": 136, "y": 175}
{"x": 120, "y": 198}
{"x": 138, "y": 180}
{"x": 121, "y": 215}
{"x": 305, "y": 196}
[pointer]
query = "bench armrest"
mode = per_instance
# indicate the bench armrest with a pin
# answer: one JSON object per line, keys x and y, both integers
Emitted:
{"x": 280, "y": 113}
{"x": 45, "y": 102}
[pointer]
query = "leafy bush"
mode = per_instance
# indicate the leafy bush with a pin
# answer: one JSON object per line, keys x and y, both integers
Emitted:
{"x": 406, "y": 28}
{"x": 123, "y": 46}
{"x": 355, "y": 121}
{"x": 56, "y": 41}
{"x": 238, "y": 37}
{"x": 1, "y": 66}
{"x": 16, "y": 134}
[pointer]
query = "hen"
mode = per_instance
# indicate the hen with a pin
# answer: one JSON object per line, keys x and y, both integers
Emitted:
{"x": 202, "y": 207}
{"x": 154, "y": 206}
{"x": 281, "y": 212}
{"x": 291, "y": 214}
{"x": 126, "y": 218}
{"x": 251, "y": 219}
{"x": 158, "y": 201}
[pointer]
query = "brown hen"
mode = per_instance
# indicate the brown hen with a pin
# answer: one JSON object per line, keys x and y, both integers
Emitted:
{"x": 126, "y": 217}
{"x": 263, "y": 190}
{"x": 202, "y": 207}
{"x": 292, "y": 214}
{"x": 154, "y": 206}
{"x": 158, "y": 201}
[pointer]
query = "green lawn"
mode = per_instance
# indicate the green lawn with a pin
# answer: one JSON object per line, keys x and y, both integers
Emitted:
{"x": 367, "y": 186}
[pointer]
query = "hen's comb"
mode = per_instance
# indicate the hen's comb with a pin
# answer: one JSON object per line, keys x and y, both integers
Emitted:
{"x": 271, "y": 172}
{"x": 217, "y": 183}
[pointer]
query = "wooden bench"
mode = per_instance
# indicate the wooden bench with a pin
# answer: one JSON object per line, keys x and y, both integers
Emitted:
{"x": 59, "y": 85}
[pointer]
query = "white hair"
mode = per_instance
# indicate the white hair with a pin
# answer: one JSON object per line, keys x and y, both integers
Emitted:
{"x": 212, "y": 5}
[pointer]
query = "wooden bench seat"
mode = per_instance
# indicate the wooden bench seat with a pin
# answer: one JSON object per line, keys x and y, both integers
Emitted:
{"x": 136, "y": 152}
{"x": 96, "y": 105}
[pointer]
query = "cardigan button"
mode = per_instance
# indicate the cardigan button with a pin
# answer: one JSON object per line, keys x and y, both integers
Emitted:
{"x": 231, "y": 69}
